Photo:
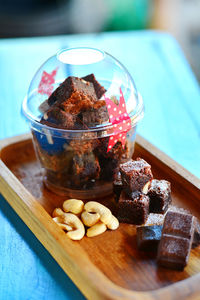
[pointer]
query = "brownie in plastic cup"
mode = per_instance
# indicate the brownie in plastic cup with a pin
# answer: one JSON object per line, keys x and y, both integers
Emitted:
{"x": 83, "y": 109}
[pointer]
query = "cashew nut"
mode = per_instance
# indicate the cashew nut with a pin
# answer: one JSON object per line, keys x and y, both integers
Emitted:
{"x": 89, "y": 219}
{"x": 73, "y": 205}
{"x": 105, "y": 213}
{"x": 78, "y": 229}
{"x": 113, "y": 224}
{"x": 96, "y": 229}
{"x": 146, "y": 187}
{"x": 59, "y": 221}
{"x": 58, "y": 212}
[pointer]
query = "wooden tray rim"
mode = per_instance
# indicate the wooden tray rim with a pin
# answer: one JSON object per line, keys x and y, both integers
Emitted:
{"x": 88, "y": 278}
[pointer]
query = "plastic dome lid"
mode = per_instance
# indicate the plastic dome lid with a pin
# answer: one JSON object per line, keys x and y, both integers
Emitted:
{"x": 80, "y": 62}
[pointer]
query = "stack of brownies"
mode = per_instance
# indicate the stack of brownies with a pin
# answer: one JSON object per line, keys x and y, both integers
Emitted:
{"x": 138, "y": 194}
{"x": 81, "y": 160}
{"x": 76, "y": 104}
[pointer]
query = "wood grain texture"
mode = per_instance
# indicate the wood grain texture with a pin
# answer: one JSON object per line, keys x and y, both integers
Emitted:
{"x": 108, "y": 266}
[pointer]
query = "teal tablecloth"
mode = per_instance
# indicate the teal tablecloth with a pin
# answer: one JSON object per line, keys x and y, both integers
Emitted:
{"x": 172, "y": 107}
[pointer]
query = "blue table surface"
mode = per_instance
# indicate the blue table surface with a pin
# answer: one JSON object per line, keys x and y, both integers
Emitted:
{"x": 172, "y": 105}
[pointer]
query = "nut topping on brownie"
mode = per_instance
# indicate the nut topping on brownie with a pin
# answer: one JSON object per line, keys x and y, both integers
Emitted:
{"x": 135, "y": 174}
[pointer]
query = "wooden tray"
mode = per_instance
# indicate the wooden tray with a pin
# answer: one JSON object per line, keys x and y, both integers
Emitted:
{"x": 107, "y": 266}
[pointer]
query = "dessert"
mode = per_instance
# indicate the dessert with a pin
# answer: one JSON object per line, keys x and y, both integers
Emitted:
{"x": 83, "y": 109}
{"x": 133, "y": 209}
{"x": 148, "y": 237}
{"x": 75, "y": 105}
{"x": 72, "y": 86}
{"x": 173, "y": 252}
{"x": 159, "y": 193}
{"x": 135, "y": 174}
{"x": 179, "y": 224}
{"x": 177, "y": 236}
{"x": 82, "y": 163}
{"x": 158, "y": 219}
{"x": 99, "y": 89}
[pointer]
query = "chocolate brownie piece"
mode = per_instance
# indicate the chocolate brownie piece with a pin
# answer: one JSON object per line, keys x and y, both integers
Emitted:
{"x": 148, "y": 237}
{"x": 58, "y": 118}
{"x": 159, "y": 193}
{"x": 117, "y": 151}
{"x": 95, "y": 116}
{"x": 80, "y": 102}
{"x": 134, "y": 209}
{"x": 179, "y": 224}
{"x": 117, "y": 186}
{"x": 110, "y": 161}
{"x": 196, "y": 239}
{"x": 68, "y": 87}
{"x": 135, "y": 173}
{"x": 99, "y": 89}
{"x": 85, "y": 167}
{"x": 83, "y": 146}
{"x": 108, "y": 167}
{"x": 173, "y": 252}
{"x": 176, "y": 240}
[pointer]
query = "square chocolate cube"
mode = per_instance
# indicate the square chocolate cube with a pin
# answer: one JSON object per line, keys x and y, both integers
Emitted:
{"x": 84, "y": 168}
{"x": 95, "y": 116}
{"x": 68, "y": 87}
{"x": 176, "y": 241}
{"x": 173, "y": 252}
{"x": 159, "y": 193}
{"x": 99, "y": 89}
{"x": 56, "y": 117}
{"x": 148, "y": 237}
{"x": 134, "y": 209}
{"x": 179, "y": 224}
{"x": 135, "y": 174}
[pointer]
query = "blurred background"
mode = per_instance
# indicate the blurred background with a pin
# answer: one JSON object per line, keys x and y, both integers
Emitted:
{"x": 25, "y": 18}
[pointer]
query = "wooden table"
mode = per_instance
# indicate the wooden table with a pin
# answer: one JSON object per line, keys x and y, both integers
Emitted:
{"x": 172, "y": 103}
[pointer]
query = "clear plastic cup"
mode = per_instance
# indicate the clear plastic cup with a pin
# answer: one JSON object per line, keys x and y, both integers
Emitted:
{"x": 82, "y": 163}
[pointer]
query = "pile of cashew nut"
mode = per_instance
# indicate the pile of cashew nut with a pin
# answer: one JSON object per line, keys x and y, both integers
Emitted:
{"x": 95, "y": 216}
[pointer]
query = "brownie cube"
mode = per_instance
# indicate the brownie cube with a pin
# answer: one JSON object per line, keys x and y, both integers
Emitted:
{"x": 85, "y": 167}
{"x": 95, "y": 116}
{"x": 148, "y": 237}
{"x": 134, "y": 209}
{"x": 117, "y": 151}
{"x": 159, "y": 193}
{"x": 176, "y": 240}
{"x": 196, "y": 238}
{"x": 179, "y": 224}
{"x": 68, "y": 87}
{"x": 173, "y": 252}
{"x": 135, "y": 174}
{"x": 99, "y": 89}
{"x": 117, "y": 186}
{"x": 80, "y": 102}
{"x": 56, "y": 117}
{"x": 108, "y": 167}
